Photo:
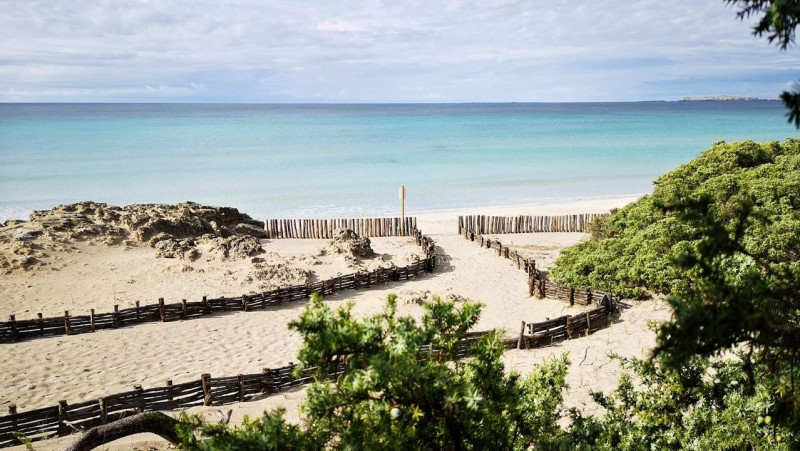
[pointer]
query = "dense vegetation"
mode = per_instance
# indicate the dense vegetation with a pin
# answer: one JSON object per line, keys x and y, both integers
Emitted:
{"x": 721, "y": 236}
{"x": 637, "y": 247}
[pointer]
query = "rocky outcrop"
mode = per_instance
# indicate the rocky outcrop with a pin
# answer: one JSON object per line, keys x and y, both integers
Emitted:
{"x": 346, "y": 241}
{"x": 186, "y": 230}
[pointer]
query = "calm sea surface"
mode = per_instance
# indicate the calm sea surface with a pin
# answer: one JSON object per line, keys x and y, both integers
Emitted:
{"x": 349, "y": 160}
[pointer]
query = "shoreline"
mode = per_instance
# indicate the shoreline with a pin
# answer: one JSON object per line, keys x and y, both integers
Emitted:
{"x": 551, "y": 204}
{"x": 594, "y": 204}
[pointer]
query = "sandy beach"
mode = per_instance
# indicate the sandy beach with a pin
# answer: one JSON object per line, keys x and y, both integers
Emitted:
{"x": 76, "y": 368}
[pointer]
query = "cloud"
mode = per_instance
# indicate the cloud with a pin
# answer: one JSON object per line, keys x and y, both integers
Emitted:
{"x": 374, "y": 50}
{"x": 88, "y": 94}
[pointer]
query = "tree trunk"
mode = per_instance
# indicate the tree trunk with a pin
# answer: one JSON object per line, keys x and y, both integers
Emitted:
{"x": 154, "y": 422}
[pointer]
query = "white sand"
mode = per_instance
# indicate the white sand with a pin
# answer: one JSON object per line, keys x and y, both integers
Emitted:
{"x": 82, "y": 367}
{"x": 98, "y": 276}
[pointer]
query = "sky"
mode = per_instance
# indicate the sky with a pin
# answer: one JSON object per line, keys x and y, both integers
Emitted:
{"x": 365, "y": 51}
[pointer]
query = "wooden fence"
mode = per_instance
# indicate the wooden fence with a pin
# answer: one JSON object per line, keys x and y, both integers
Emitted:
{"x": 15, "y": 330}
{"x": 538, "y": 281}
{"x": 537, "y": 335}
{"x": 324, "y": 228}
{"x": 482, "y": 224}
{"x": 64, "y": 418}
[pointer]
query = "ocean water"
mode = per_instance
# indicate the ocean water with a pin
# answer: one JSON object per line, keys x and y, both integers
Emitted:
{"x": 349, "y": 160}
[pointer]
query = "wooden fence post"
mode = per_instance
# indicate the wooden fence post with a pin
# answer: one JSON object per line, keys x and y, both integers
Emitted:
{"x": 169, "y": 390}
{"x": 14, "y": 332}
{"x": 63, "y": 429}
{"x": 40, "y": 320}
{"x": 161, "y": 308}
{"x": 66, "y": 322}
{"x": 139, "y": 397}
{"x": 567, "y": 325}
{"x": 244, "y": 302}
{"x": 206, "y": 383}
{"x": 91, "y": 319}
{"x": 184, "y": 312}
{"x": 267, "y": 379}
{"x": 138, "y": 318}
{"x": 521, "y": 335}
{"x": 572, "y": 296}
{"x": 241, "y": 387}
{"x": 103, "y": 410}
{"x": 206, "y": 306}
{"x": 117, "y": 322}
{"x": 12, "y": 410}
{"x": 588, "y": 324}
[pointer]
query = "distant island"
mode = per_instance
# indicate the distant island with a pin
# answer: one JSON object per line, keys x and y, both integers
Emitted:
{"x": 719, "y": 99}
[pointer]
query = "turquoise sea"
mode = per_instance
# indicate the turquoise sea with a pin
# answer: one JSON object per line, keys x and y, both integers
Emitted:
{"x": 349, "y": 160}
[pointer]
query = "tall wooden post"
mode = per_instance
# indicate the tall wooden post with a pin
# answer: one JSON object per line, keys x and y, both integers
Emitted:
{"x": 403, "y": 210}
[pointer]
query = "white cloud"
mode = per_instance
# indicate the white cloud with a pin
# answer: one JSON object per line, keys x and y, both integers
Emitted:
{"x": 375, "y": 50}
{"x": 82, "y": 94}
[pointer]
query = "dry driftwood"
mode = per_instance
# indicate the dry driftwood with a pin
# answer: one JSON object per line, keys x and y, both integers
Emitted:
{"x": 154, "y": 422}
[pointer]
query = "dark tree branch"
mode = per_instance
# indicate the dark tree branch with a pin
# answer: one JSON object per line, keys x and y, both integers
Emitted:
{"x": 154, "y": 422}
{"x": 792, "y": 102}
{"x": 780, "y": 18}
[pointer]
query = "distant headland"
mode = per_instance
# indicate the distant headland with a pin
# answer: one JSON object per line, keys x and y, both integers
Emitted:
{"x": 719, "y": 99}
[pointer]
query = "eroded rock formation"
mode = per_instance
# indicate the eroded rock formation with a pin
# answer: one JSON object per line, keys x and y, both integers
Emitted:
{"x": 186, "y": 230}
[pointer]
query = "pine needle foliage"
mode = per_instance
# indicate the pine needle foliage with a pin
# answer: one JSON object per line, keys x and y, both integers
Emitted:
{"x": 404, "y": 387}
